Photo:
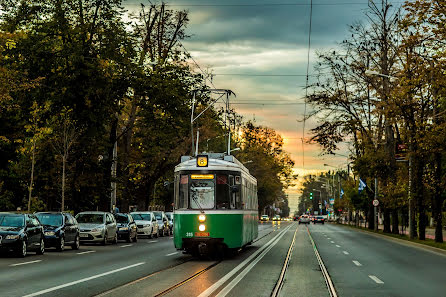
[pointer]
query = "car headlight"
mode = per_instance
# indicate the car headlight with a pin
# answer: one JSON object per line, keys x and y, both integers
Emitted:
{"x": 50, "y": 233}
{"x": 124, "y": 228}
{"x": 12, "y": 237}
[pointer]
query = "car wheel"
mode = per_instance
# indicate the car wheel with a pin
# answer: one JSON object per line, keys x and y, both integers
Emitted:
{"x": 76, "y": 243}
{"x": 41, "y": 249}
{"x": 115, "y": 239}
{"x": 61, "y": 245}
{"x": 104, "y": 242}
{"x": 21, "y": 252}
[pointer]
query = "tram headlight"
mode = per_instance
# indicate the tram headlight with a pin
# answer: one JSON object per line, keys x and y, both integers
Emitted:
{"x": 202, "y": 227}
{"x": 202, "y": 218}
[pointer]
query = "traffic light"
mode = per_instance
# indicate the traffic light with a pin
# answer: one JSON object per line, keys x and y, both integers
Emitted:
{"x": 311, "y": 195}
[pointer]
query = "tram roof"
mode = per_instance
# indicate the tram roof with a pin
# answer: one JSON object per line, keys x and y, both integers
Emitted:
{"x": 215, "y": 162}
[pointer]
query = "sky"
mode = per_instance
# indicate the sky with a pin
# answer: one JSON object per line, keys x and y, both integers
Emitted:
{"x": 259, "y": 50}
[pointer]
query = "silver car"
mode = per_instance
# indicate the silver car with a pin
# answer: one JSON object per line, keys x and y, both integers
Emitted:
{"x": 97, "y": 226}
{"x": 163, "y": 225}
{"x": 145, "y": 223}
{"x": 169, "y": 216}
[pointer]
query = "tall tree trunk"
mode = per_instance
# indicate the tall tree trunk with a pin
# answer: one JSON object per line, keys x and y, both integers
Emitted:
{"x": 31, "y": 182}
{"x": 395, "y": 221}
{"x": 64, "y": 160}
{"x": 386, "y": 220}
{"x": 438, "y": 200}
{"x": 419, "y": 197}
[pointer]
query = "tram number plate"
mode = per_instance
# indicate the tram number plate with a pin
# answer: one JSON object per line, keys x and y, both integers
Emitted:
{"x": 201, "y": 234}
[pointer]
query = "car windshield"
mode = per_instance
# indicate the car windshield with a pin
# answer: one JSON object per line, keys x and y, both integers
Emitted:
{"x": 142, "y": 216}
{"x": 50, "y": 219}
{"x": 90, "y": 218}
{"x": 120, "y": 218}
{"x": 11, "y": 220}
{"x": 158, "y": 216}
{"x": 169, "y": 216}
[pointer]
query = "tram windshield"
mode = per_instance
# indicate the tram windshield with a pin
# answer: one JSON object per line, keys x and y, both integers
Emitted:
{"x": 202, "y": 194}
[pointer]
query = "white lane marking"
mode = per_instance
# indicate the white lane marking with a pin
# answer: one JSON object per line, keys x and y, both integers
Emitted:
{"x": 377, "y": 280}
{"x": 357, "y": 263}
{"x": 86, "y": 252}
{"x": 126, "y": 245}
{"x": 221, "y": 281}
{"x": 328, "y": 238}
{"x": 171, "y": 254}
{"x": 338, "y": 245}
{"x": 245, "y": 271}
{"x": 83, "y": 280}
{"x": 332, "y": 241}
{"x": 153, "y": 241}
{"x": 345, "y": 252}
{"x": 25, "y": 263}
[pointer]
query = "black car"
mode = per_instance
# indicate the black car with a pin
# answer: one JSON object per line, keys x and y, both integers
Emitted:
{"x": 126, "y": 227}
{"x": 60, "y": 229}
{"x": 318, "y": 219}
{"x": 21, "y": 233}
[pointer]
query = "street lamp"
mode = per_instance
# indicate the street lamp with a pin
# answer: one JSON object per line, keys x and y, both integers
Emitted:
{"x": 369, "y": 72}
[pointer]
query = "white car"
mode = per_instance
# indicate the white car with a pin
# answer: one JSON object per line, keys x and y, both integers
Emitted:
{"x": 146, "y": 223}
{"x": 304, "y": 219}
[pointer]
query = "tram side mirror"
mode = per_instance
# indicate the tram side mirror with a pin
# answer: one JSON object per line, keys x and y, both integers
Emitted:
{"x": 235, "y": 188}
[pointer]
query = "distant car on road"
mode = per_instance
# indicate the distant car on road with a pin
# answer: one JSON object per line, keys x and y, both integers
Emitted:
{"x": 169, "y": 216}
{"x": 163, "y": 225}
{"x": 304, "y": 219}
{"x": 126, "y": 227}
{"x": 97, "y": 226}
{"x": 59, "y": 229}
{"x": 264, "y": 218}
{"x": 318, "y": 219}
{"x": 276, "y": 218}
{"x": 20, "y": 233}
{"x": 146, "y": 223}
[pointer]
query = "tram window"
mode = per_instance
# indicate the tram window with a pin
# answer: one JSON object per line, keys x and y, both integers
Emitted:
{"x": 202, "y": 194}
{"x": 222, "y": 192}
{"x": 237, "y": 195}
{"x": 182, "y": 201}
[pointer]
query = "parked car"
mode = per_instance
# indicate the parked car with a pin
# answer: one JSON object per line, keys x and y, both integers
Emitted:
{"x": 264, "y": 218}
{"x": 318, "y": 219}
{"x": 163, "y": 227}
{"x": 59, "y": 229}
{"x": 146, "y": 223}
{"x": 97, "y": 227}
{"x": 276, "y": 218}
{"x": 169, "y": 216}
{"x": 304, "y": 219}
{"x": 126, "y": 227}
{"x": 20, "y": 233}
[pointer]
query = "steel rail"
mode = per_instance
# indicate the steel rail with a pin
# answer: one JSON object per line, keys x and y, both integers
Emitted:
{"x": 328, "y": 281}
{"x": 280, "y": 281}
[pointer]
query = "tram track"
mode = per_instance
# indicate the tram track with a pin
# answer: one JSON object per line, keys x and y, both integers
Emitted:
{"x": 280, "y": 281}
{"x": 330, "y": 286}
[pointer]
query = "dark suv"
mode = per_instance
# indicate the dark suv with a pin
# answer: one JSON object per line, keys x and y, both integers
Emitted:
{"x": 21, "y": 233}
{"x": 318, "y": 219}
{"x": 60, "y": 229}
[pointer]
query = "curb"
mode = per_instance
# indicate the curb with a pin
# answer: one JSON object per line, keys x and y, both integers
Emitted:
{"x": 417, "y": 245}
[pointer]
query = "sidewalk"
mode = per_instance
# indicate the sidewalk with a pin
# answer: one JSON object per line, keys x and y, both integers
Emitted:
{"x": 430, "y": 232}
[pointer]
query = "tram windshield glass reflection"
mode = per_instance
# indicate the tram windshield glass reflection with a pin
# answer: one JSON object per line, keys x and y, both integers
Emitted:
{"x": 202, "y": 194}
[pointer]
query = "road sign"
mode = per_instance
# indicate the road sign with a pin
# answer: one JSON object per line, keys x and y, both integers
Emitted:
{"x": 375, "y": 202}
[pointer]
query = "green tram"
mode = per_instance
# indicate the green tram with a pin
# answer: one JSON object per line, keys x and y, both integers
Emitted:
{"x": 216, "y": 205}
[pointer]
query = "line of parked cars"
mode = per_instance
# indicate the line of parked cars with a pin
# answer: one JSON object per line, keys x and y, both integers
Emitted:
{"x": 21, "y": 233}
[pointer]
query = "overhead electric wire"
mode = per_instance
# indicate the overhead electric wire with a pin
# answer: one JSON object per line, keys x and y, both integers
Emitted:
{"x": 268, "y": 4}
{"x": 306, "y": 84}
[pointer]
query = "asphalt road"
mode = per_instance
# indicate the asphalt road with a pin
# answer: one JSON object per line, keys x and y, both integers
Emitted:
{"x": 359, "y": 264}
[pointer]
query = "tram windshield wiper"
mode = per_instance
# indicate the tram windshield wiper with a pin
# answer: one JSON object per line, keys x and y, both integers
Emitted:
{"x": 198, "y": 203}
